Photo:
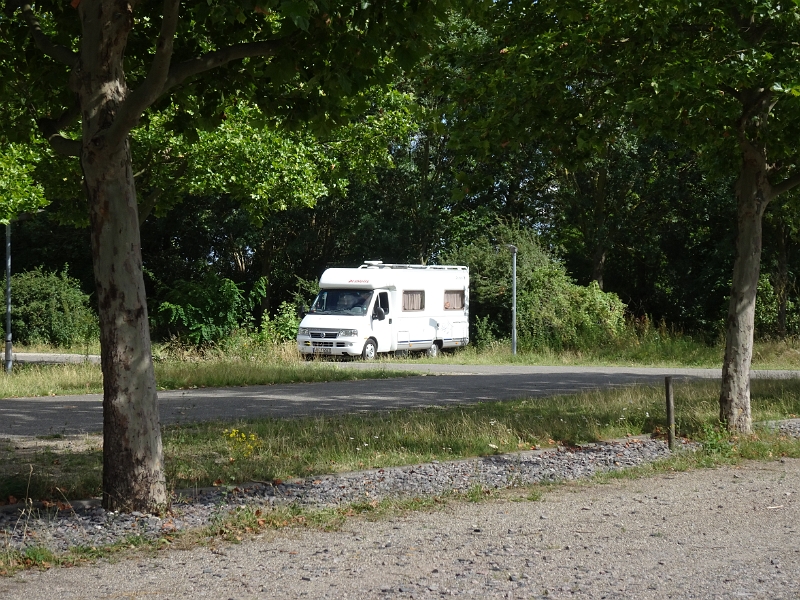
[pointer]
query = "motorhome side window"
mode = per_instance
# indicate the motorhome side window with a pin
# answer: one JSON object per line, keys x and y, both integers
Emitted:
{"x": 454, "y": 299}
{"x": 383, "y": 302}
{"x": 413, "y": 300}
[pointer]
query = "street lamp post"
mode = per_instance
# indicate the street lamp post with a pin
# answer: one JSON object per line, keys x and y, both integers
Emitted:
{"x": 8, "y": 298}
{"x": 21, "y": 217}
{"x": 513, "y": 249}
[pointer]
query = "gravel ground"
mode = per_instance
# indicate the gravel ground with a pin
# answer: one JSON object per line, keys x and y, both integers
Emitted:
{"x": 87, "y": 524}
{"x": 724, "y": 533}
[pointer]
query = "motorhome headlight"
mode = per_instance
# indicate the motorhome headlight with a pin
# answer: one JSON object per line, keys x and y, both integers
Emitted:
{"x": 348, "y": 333}
{"x": 303, "y": 331}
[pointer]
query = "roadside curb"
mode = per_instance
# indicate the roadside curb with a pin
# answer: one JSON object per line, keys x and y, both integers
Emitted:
{"x": 41, "y": 358}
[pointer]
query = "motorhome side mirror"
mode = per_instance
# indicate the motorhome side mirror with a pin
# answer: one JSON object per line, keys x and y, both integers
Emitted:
{"x": 303, "y": 310}
{"x": 378, "y": 314}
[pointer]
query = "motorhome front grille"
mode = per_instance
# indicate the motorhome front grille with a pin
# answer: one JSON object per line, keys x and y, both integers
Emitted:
{"x": 324, "y": 334}
{"x": 322, "y": 344}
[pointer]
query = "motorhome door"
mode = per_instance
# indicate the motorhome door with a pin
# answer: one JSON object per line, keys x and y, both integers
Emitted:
{"x": 383, "y": 331}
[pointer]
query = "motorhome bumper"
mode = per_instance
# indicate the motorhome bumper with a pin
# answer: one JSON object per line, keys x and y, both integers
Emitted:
{"x": 335, "y": 347}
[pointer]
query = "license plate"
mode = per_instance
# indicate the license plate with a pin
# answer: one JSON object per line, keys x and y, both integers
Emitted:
{"x": 322, "y": 350}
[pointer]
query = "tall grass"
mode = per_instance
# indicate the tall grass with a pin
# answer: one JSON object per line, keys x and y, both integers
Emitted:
{"x": 244, "y": 360}
{"x": 266, "y": 449}
{"x": 178, "y": 367}
{"x": 653, "y": 347}
{"x": 51, "y": 380}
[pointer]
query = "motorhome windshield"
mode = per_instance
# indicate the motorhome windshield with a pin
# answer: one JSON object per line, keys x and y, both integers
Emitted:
{"x": 341, "y": 302}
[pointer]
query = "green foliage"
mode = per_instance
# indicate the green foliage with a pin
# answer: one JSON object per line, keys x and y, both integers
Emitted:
{"x": 283, "y": 327}
{"x": 552, "y": 311}
{"x": 716, "y": 440}
{"x": 208, "y": 310}
{"x": 18, "y": 190}
{"x": 50, "y": 308}
{"x": 767, "y": 306}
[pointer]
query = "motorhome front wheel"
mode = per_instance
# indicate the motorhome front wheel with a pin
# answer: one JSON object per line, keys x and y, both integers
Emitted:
{"x": 370, "y": 350}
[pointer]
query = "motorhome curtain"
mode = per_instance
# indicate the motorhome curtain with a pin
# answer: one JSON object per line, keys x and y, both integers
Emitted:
{"x": 414, "y": 300}
{"x": 454, "y": 300}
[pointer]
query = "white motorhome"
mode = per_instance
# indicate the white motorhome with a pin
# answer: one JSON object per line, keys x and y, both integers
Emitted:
{"x": 385, "y": 308}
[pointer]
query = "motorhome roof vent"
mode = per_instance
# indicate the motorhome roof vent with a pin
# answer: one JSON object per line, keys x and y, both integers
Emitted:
{"x": 373, "y": 263}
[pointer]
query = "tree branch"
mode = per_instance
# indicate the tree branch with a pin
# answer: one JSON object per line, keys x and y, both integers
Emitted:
{"x": 730, "y": 91}
{"x": 153, "y": 85}
{"x": 787, "y": 184}
{"x": 180, "y": 72}
{"x": 753, "y": 101}
{"x": 148, "y": 203}
{"x": 64, "y": 145}
{"x": 67, "y": 118}
{"x": 55, "y": 51}
{"x": 52, "y": 128}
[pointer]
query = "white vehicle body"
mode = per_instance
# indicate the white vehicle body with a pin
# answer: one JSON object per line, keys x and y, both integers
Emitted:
{"x": 385, "y": 308}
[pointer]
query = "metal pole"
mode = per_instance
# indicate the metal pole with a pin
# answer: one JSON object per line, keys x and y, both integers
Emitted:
{"x": 513, "y": 249}
{"x": 8, "y": 298}
{"x": 514, "y": 303}
{"x": 670, "y": 412}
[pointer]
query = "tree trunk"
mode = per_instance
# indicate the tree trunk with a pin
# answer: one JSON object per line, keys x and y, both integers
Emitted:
{"x": 266, "y": 273}
{"x": 753, "y": 195}
{"x": 133, "y": 476}
{"x": 599, "y": 184}
{"x": 598, "y": 263}
{"x": 782, "y": 278}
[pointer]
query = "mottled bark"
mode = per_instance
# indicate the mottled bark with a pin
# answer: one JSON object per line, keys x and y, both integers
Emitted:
{"x": 782, "y": 278}
{"x": 753, "y": 193}
{"x": 133, "y": 476}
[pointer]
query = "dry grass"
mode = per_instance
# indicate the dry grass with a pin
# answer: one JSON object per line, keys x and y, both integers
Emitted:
{"x": 265, "y": 449}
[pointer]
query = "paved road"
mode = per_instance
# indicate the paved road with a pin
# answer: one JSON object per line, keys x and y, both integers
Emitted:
{"x": 444, "y": 385}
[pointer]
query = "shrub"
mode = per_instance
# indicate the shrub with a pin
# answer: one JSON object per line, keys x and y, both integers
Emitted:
{"x": 50, "y": 308}
{"x": 206, "y": 311}
{"x": 767, "y": 307}
{"x": 283, "y": 327}
{"x": 552, "y": 310}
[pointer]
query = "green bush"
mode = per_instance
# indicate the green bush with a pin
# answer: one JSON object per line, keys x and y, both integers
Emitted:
{"x": 283, "y": 327}
{"x": 552, "y": 310}
{"x": 206, "y": 311}
{"x": 50, "y": 308}
{"x": 767, "y": 307}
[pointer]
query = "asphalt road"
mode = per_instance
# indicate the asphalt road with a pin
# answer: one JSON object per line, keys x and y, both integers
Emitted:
{"x": 443, "y": 385}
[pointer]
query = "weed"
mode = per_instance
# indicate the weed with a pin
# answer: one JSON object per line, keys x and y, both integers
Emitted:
{"x": 717, "y": 441}
{"x": 534, "y": 494}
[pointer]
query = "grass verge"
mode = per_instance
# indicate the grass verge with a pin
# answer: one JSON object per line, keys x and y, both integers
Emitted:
{"x": 56, "y": 380}
{"x": 671, "y": 350}
{"x": 203, "y": 454}
{"x": 242, "y": 360}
